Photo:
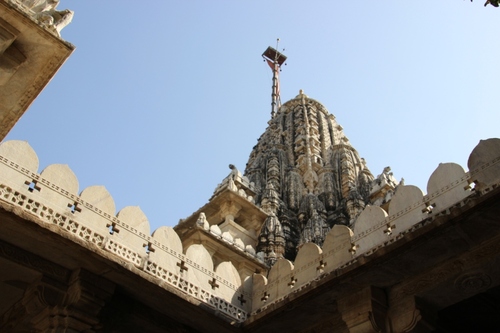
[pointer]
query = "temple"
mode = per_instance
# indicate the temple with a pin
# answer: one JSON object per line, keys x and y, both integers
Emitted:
{"x": 305, "y": 239}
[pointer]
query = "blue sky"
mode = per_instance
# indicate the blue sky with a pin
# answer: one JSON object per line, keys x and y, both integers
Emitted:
{"x": 160, "y": 97}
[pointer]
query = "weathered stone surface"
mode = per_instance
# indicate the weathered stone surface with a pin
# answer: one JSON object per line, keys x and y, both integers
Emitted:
{"x": 198, "y": 254}
{"x": 104, "y": 208}
{"x": 214, "y": 229}
{"x": 247, "y": 290}
{"x": 22, "y": 156}
{"x": 228, "y": 291}
{"x": 279, "y": 276}
{"x": 227, "y": 237}
{"x": 236, "y": 231}
{"x": 99, "y": 197}
{"x": 239, "y": 244}
{"x": 447, "y": 186}
{"x": 371, "y": 229}
{"x": 166, "y": 236}
{"x": 484, "y": 163}
{"x": 250, "y": 250}
{"x": 407, "y": 208}
{"x": 11, "y": 58}
{"x": 60, "y": 177}
{"x": 307, "y": 265}
{"x": 364, "y": 311}
{"x": 260, "y": 296}
{"x": 135, "y": 228}
{"x": 337, "y": 246}
{"x": 403, "y": 314}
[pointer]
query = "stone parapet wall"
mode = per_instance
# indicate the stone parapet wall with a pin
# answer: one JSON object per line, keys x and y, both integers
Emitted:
{"x": 449, "y": 186}
{"x": 51, "y": 200}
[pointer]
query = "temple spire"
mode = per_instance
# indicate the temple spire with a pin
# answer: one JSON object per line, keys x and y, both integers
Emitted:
{"x": 274, "y": 59}
{"x": 307, "y": 178}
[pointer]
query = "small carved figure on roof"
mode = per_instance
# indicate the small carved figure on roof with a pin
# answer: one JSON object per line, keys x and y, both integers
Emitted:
{"x": 202, "y": 221}
{"x": 235, "y": 173}
{"x": 386, "y": 177}
{"x": 46, "y": 13}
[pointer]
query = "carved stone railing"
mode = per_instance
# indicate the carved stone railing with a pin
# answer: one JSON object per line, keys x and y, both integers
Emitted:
{"x": 449, "y": 186}
{"x": 51, "y": 199}
{"x": 237, "y": 243}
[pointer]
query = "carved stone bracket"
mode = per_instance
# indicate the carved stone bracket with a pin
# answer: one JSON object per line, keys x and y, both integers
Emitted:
{"x": 364, "y": 311}
{"x": 229, "y": 210}
{"x": 403, "y": 315}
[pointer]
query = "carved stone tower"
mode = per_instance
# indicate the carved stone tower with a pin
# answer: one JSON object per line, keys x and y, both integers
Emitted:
{"x": 307, "y": 176}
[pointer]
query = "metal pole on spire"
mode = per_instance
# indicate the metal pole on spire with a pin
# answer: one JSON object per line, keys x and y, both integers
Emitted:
{"x": 274, "y": 59}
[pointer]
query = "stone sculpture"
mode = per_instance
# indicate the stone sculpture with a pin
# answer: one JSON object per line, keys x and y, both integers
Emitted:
{"x": 45, "y": 13}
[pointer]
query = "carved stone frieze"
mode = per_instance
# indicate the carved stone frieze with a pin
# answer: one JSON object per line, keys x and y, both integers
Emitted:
{"x": 32, "y": 261}
{"x": 472, "y": 282}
